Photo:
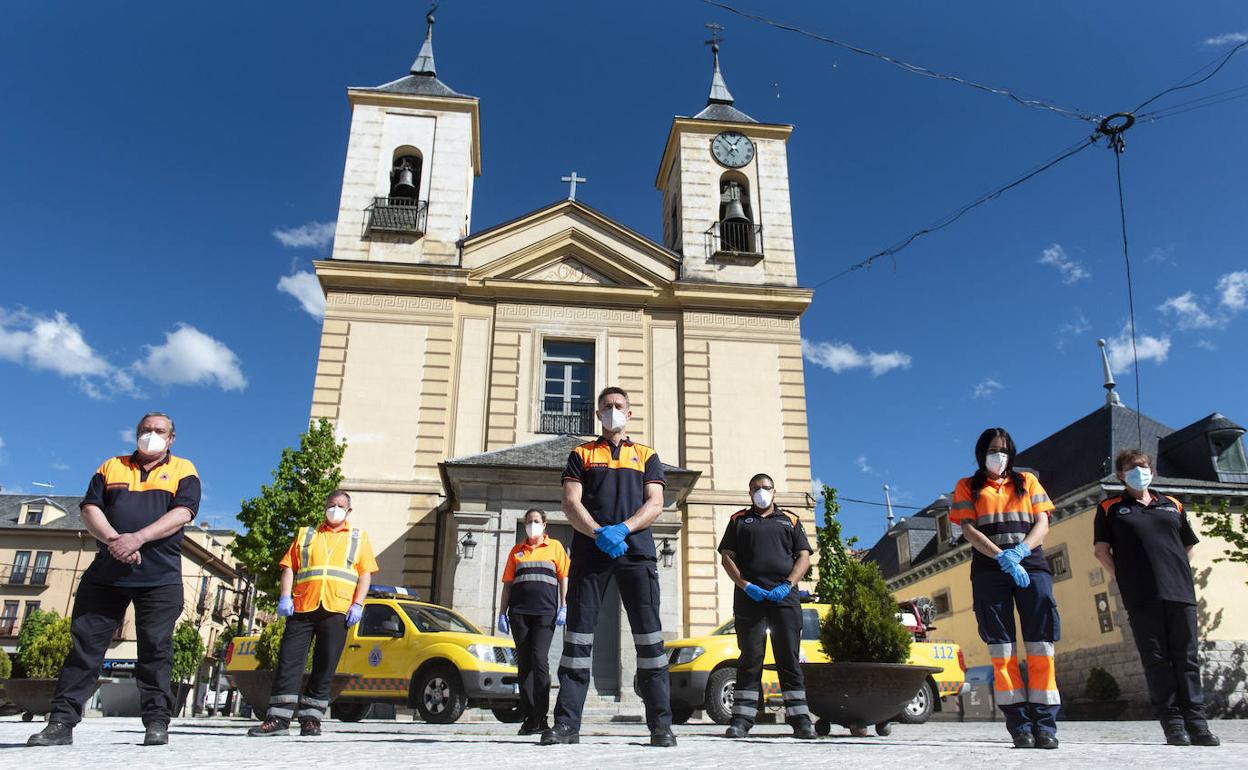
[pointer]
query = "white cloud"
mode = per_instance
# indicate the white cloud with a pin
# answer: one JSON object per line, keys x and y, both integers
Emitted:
{"x": 51, "y": 342}
{"x": 1070, "y": 269}
{"x": 1, "y": 442}
{"x": 1229, "y": 38}
{"x": 1162, "y": 254}
{"x": 304, "y": 287}
{"x": 816, "y": 488}
{"x": 127, "y": 435}
{"x": 1206, "y": 345}
{"x": 1188, "y": 311}
{"x": 841, "y": 357}
{"x": 987, "y": 388}
{"x": 1233, "y": 288}
{"x": 1072, "y": 329}
{"x": 59, "y": 466}
{"x": 190, "y": 357}
{"x": 863, "y": 465}
{"x": 1149, "y": 348}
{"x": 313, "y": 234}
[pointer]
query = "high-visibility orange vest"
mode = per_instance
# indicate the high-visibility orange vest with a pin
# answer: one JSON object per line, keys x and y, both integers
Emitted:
{"x": 327, "y": 564}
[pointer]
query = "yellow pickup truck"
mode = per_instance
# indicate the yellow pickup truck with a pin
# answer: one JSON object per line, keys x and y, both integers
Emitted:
{"x": 412, "y": 653}
{"x": 703, "y": 669}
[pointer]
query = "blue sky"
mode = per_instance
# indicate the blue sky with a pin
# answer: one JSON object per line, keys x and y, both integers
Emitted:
{"x": 151, "y": 154}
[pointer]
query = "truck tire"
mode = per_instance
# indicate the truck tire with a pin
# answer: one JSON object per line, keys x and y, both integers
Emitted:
{"x": 719, "y": 695}
{"x": 439, "y": 694}
{"x": 920, "y": 707}
{"x": 349, "y": 712}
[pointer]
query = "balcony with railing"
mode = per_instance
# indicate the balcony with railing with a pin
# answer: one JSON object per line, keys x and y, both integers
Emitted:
{"x": 571, "y": 416}
{"x": 735, "y": 239}
{"x": 17, "y": 576}
{"x": 405, "y": 216}
{"x": 39, "y": 577}
{"x": 8, "y": 627}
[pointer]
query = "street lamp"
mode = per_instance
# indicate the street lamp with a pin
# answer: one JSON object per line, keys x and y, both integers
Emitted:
{"x": 667, "y": 552}
{"x": 468, "y": 545}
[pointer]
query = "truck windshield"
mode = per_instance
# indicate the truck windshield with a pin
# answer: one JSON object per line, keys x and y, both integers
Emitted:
{"x": 433, "y": 619}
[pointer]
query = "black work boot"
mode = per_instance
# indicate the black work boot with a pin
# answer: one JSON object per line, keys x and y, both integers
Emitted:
{"x": 533, "y": 728}
{"x": 560, "y": 733}
{"x": 1046, "y": 741}
{"x": 54, "y": 734}
{"x": 157, "y": 734}
{"x": 662, "y": 737}
{"x": 270, "y": 726}
{"x": 1201, "y": 736}
{"x": 803, "y": 729}
{"x": 1024, "y": 740}
{"x": 309, "y": 727}
{"x": 1176, "y": 735}
{"x": 737, "y": 729}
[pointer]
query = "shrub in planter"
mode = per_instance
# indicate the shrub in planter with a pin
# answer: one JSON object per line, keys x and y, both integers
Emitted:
{"x": 1101, "y": 685}
{"x": 42, "y": 644}
{"x": 861, "y": 626}
{"x": 6, "y": 666}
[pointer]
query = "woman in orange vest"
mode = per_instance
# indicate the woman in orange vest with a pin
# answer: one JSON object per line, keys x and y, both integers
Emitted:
{"x": 1004, "y": 515}
{"x": 534, "y": 601}
{"x": 325, "y": 577}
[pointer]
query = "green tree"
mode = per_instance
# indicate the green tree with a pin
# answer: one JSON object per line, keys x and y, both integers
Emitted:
{"x": 1232, "y": 528}
{"x": 295, "y": 499}
{"x": 862, "y": 626}
{"x": 188, "y": 651}
{"x": 6, "y": 666}
{"x": 42, "y": 644}
{"x": 834, "y": 554}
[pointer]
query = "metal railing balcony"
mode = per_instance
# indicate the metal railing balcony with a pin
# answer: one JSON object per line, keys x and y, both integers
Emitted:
{"x": 39, "y": 577}
{"x": 570, "y": 416}
{"x": 397, "y": 215}
{"x": 735, "y": 238}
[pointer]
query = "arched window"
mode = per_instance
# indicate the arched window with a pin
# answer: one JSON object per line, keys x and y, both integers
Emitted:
{"x": 736, "y": 214}
{"x": 405, "y": 174}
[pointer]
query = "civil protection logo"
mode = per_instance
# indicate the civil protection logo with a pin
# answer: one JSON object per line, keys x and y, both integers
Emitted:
{"x": 374, "y": 656}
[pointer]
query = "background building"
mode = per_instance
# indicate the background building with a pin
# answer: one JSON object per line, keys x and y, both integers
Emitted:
{"x": 1202, "y": 464}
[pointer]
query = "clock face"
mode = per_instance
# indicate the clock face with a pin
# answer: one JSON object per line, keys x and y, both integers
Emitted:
{"x": 732, "y": 149}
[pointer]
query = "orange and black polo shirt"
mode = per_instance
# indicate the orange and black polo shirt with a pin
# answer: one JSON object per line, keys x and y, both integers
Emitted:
{"x": 1149, "y": 545}
{"x": 132, "y": 498}
{"x": 1004, "y": 515}
{"x": 613, "y": 480}
{"x": 765, "y": 547}
{"x": 534, "y": 572}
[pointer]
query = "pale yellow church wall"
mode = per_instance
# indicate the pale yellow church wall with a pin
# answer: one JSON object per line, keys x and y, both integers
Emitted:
{"x": 664, "y": 393}
{"x": 1221, "y": 586}
{"x": 745, "y": 397}
{"x": 472, "y": 379}
{"x": 450, "y": 188}
{"x": 384, "y": 515}
{"x": 1075, "y": 595}
{"x": 380, "y": 409}
{"x": 358, "y": 181}
{"x": 772, "y": 183}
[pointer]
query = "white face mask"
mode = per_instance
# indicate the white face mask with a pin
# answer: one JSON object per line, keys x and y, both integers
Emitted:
{"x": 997, "y": 462}
{"x": 1139, "y": 478}
{"x": 613, "y": 420}
{"x": 534, "y": 529}
{"x": 151, "y": 442}
{"x": 762, "y": 498}
{"x": 335, "y": 514}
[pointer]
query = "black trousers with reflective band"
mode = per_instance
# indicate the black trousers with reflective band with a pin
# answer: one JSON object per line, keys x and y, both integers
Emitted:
{"x": 98, "y": 611}
{"x": 785, "y": 623}
{"x": 533, "y": 634}
{"x": 638, "y": 581}
{"x": 1166, "y": 637}
{"x": 330, "y": 631}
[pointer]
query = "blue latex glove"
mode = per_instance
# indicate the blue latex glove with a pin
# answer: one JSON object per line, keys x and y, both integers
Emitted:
{"x": 1015, "y": 554}
{"x": 504, "y": 624}
{"x": 756, "y": 593}
{"x": 610, "y": 538}
{"x": 1016, "y": 573}
{"x": 618, "y": 551}
{"x": 353, "y": 614}
{"x": 285, "y": 606}
{"x": 561, "y": 617}
{"x": 778, "y": 593}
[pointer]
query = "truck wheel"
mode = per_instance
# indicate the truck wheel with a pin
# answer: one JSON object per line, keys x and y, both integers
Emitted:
{"x": 822, "y": 727}
{"x": 883, "y": 729}
{"x": 920, "y": 707}
{"x": 439, "y": 694}
{"x": 349, "y": 712}
{"x": 681, "y": 712}
{"x": 511, "y": 715}
{"x": 719, "y": 695}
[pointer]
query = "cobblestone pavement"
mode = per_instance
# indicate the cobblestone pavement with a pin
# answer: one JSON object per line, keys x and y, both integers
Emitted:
{"x": 220, "y": 743}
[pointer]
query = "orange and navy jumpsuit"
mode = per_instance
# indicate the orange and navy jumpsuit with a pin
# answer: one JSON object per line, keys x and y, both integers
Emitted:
{"x": 1005, "y": 515}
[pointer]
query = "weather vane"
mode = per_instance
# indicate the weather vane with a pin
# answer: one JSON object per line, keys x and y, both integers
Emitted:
{"x": 715, "y": 30}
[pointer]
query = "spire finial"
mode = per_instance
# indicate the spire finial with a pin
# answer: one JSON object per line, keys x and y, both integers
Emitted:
{"x": 1111, "y": 395}
{"x": 719, "y": 89}
{"x": 424, "y": 60}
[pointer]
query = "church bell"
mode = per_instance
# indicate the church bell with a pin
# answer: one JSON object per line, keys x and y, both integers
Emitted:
{"x": 733, "y": 211}
{"x": 405, "y": 181}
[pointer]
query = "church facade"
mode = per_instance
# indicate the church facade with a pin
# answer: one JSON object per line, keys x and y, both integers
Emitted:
{"x": 461, "y": 365}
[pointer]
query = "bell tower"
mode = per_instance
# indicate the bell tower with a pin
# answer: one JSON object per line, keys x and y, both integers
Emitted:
{"x": 412, "y": 157}
{"x": 725, "y": 183}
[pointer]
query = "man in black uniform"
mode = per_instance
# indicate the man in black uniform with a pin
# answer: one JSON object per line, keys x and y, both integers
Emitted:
{"x": 612, "y": 493}
{"x": 765, "y": 552}
{"x": 1144, "y": 540}
{"x": 136, "y": 507}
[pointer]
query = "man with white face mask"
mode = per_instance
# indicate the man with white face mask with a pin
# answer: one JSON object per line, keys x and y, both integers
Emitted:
{"x": 135, "y": 506}
{"x": 765, "y": 552}
{"x": 326, "y": 573}
{"x": 1144, "y": 540}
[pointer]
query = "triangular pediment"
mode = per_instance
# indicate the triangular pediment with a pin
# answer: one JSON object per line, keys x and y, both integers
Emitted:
{"x": 569, "y": 243}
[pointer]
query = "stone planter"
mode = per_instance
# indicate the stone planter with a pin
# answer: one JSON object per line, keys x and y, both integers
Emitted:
{"x": 34, "y": 696}
{"x": 1080, "y": 710}
{"x": 856, "y": 695}
{"x": 255, "y": 687}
